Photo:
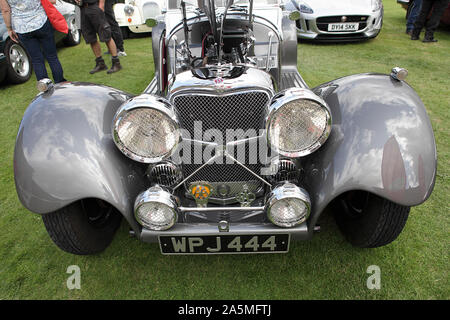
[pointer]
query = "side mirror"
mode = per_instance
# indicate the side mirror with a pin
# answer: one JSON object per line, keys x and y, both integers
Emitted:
{"x": 151, "y": 22}
{"x": 294, "y": 15}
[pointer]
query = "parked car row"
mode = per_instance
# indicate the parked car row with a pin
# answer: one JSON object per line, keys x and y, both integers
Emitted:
{"x": 15, "y": 62}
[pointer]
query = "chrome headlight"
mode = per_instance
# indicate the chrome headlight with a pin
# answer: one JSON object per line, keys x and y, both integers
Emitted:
{"x": 146, "y": 129}
{"x": 298, "y": 122}
{"x": 288, "y": 205}
{"x": 128, "y": 10}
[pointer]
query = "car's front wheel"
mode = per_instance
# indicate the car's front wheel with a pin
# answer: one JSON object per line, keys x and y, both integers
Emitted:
{"x": 368, "y": 221}
{"x": 19, "y": 62}
{"x": 84, "y": 227}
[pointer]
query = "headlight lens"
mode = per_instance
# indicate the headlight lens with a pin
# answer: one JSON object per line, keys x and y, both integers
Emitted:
{"x": 129, "y": 10}
{"x": 146, "y": 129}
{"x": 156, "y": 209}
{"x": 304, "y": 8}
{"x": 298, "y": 123}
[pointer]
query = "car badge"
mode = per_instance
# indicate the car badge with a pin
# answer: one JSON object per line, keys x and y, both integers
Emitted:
{"x": 223, "y": 190}
{"x": 201, "y": 191}
{"x": 218, "y": 81}
{"x": 344, "y": 18}
{"x": 245, "y": 198}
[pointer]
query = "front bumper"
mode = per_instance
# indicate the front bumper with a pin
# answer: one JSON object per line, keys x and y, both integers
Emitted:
{"x": 312, "y": 27}
{"x": 300, "y": 232}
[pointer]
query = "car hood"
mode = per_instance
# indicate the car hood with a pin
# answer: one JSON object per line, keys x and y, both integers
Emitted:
{"x": 338, "y": 7}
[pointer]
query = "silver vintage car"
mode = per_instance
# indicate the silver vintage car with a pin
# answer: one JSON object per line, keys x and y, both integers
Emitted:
{"x": 227, "y": 150}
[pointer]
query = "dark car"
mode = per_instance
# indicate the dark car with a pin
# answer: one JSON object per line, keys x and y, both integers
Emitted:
{"x": 15, "y": 62}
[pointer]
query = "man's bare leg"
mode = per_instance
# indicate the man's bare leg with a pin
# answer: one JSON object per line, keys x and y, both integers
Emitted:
{"x": 95, "y": 46}
{"x": 111, "y": 47}
{"x": 99, "y": 62}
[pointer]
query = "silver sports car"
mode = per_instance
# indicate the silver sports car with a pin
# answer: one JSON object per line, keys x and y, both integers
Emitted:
{"x": 343, "y": 20}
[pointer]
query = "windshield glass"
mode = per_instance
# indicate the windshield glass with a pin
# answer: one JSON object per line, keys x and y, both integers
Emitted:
{"x": 176, "y": 4}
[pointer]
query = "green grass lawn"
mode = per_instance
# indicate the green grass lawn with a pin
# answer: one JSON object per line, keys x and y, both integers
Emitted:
{"x": 327, "y": 267}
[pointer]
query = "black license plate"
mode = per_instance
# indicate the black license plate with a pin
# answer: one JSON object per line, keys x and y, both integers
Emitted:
{"x": 224, "y": 244}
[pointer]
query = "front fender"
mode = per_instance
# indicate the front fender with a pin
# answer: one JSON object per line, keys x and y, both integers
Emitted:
{"x": 64, "y": 151}
{"x": 381, "y": 141}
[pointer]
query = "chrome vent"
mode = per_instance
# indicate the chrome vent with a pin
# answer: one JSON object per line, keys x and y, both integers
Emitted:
{"x": 165, "y": 174}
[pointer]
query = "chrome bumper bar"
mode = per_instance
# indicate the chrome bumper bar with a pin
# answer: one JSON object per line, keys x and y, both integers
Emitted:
{"x": 300, "y": 232}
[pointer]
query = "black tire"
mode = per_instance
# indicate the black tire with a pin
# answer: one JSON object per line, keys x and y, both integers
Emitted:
{"x": 74, "y": 36}
{"x": 19, "y": 62}
{"x": 84, "y": 227}
{"x": 368, "y": 221}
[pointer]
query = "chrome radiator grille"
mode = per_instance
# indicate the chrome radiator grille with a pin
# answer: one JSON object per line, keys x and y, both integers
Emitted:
{"x": 241, "y": 110}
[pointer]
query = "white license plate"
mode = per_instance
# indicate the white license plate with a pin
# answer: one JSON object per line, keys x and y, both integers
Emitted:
{"x": 343, "y": 26}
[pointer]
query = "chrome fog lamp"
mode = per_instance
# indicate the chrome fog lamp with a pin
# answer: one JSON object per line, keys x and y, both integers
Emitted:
{"x": 156, "y": 209}
{"x": 288, "y": 205}
{"x": 128, "y": 10}
{"x": 146, "y": 129}
{"x": 298, "y": 122}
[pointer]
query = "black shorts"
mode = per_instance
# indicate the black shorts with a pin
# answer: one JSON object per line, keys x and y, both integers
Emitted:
{"x": 93, "y": 22}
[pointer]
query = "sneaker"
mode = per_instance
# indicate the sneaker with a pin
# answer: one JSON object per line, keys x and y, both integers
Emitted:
{"x": 121, "y": 54}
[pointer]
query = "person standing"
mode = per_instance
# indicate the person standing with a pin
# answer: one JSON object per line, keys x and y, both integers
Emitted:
{"x": 93, "y": 22}
{"x": 27, "y": 21}
{"x": 438, "y": 7}
{"x": 115, "y": 29}
{"x": 416, "y": 5}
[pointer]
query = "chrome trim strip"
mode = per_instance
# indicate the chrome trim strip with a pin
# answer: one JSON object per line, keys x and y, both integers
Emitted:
{"x": 300, "y": 232}
{"x": 209, "y": 209}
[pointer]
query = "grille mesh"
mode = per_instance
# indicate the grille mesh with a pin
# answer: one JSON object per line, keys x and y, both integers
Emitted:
{"x": 243, "y": 110}
{"x": 237, "y": 111}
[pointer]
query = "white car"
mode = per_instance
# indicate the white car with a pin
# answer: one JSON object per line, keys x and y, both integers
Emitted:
{"x": 132, "y": 14}
{"x": 343, "y": 20}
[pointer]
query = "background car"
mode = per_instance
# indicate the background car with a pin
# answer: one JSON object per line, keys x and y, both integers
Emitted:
{"x": 406, "y": 4}
{"x": 132, "y": 14}
{"x": 15, "y": 62}
{"x": 345, "y": 20}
